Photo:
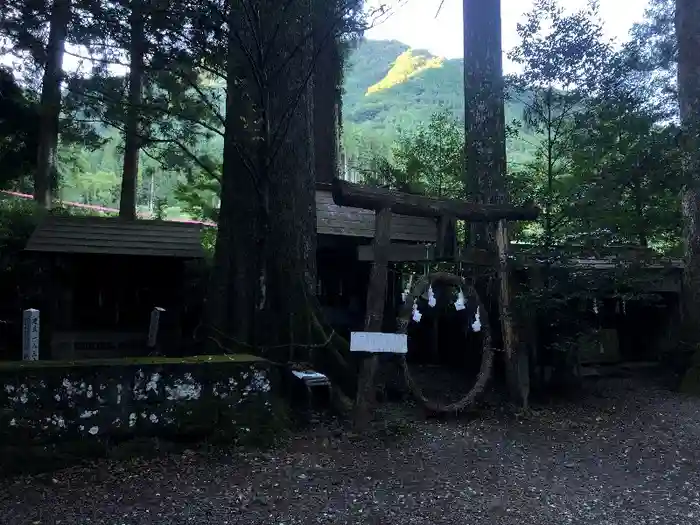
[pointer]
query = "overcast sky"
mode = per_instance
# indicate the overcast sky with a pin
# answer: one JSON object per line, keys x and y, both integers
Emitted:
{"x": 415, "y": 24}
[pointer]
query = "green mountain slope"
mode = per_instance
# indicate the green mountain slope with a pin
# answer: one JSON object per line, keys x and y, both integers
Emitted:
{"x": 390, "y": 87}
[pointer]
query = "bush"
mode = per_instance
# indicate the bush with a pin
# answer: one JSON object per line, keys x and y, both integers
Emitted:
{"x": 21, "y": 276}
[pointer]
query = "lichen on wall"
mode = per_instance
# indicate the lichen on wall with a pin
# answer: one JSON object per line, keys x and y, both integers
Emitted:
{"x": 56, "y": 403}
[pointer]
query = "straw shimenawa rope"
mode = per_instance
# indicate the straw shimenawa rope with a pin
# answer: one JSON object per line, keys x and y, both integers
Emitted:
{"x": 472, "y": 298}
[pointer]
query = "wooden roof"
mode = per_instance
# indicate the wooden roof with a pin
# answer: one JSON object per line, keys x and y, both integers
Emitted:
{"x": 108, "y": 235}
{"x": 355, "y": 222}
{"x": 603, "y": 258}
{"x": 105, "y": 235}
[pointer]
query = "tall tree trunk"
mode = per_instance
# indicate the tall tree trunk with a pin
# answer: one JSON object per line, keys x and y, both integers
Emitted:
{"x": 688, "y": 34}
{"x": 50, "y": 103}
{"x": 486, "y": 158}
{"x": 548, "y": 230}
{"x": 265, "y": 256}
{"x": 132, "y": 128}
{"x": 327, "y": 88}
{"x": 230, "y": 299}
{"x": 484, "y": 108}
{"x": 262, "y": 291}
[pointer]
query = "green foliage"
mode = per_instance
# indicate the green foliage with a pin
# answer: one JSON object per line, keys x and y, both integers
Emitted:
{"x": 373, "y": 121}
{"x": 628, "y": 175}
{"x": 131, "y": 361}
{"x": 593, "y": 145}
{"x": 20, "y": 276}
{"x": 605, "y": 170}
{"x": 183, "y": 122}
{"x": 209, "y": 241}
{"x": 595, "y": 150}
{"x": 654, "y": 51}
{"x": 199, "y": 195}
{"x": 18, "y": 218}
{"x": 562, "y": 57}
{"x": 92, "y": 188}
{"x": 602, "y": 162}
{"x": 594, "y": 189}
{"x": 19, "y": 129}
{"x": 428, "y": 160}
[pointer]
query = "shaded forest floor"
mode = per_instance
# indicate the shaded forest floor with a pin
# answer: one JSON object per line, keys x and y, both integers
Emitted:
{"x": 625, "y": 452}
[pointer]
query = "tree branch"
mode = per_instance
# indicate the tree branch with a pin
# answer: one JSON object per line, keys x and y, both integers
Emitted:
{"x": 442, "y": 3}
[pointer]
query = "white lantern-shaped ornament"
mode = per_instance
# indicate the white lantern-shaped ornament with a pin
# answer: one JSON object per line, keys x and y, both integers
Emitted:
{"x": 416, "y": 315}
{"x": 460, "y": 303}
{"x": 431, "y": 297}
{"x": 476, "y": 325}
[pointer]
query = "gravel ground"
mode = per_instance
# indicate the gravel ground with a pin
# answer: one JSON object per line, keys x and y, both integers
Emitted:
{"x": 623, "y": 454}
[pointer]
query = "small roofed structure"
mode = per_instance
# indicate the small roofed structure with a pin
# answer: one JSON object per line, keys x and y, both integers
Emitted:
{"x": 105, "y": 277}
{"x": 105, "y": 235}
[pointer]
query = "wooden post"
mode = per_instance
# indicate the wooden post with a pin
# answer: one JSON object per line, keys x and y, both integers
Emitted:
{"x": 374, "y": 316}
{"x": 517, "y": 363}
{"x": 509, "y": 341}
{"x": 446, "y": 246}
{"x": 153, "y": 326}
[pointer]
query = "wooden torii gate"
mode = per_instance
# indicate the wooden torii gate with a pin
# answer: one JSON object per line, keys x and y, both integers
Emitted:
{"x": 447, "y": 211}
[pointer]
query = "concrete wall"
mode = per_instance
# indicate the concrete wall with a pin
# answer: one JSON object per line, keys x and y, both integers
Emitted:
{"x": 50, "y": 401}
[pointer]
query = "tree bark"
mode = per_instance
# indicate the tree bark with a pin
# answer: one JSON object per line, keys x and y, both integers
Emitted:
{"x": 50, "y": 103}
{"x": 265, "y": 273}
{"x": 484, "y": 110}
{"x": 230, "y": 299}
{"x": 486, "y": 154}
{"x": 132, "y": 128}
{"x": 261, "y": 296}
{"x": 327, "y": 89}
{"x": 688, "y": 34}
{"x": 290, "y": 262}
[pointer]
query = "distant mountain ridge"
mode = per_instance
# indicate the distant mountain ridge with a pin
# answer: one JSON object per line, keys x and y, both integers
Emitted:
{"x": 408, "y": 64}
{"x": 389, "y": 87}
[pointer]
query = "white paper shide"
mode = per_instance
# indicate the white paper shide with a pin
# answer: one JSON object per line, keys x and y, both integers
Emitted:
{"x": 460, "y": 303}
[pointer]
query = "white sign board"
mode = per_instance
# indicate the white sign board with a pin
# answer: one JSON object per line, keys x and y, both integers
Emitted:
{"x": 378, "y": 342}
{"x": 153, "y": 326}
{"x": 30, "y": 335}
